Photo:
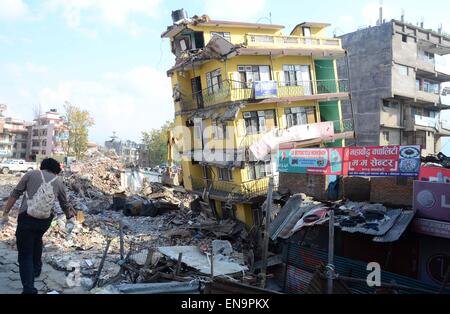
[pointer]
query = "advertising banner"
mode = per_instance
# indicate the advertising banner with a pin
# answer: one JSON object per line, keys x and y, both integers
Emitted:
{"x": 324, "y": 161}
{"x": 434, "y": 174}
{"x": 384, "y": 161}
{"x": 431, "y": 200}
{"x": 268, "y": 89}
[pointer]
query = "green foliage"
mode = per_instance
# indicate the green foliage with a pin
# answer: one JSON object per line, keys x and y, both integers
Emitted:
{"x": 77, "y": 122}
{"x": 156, "y": 143}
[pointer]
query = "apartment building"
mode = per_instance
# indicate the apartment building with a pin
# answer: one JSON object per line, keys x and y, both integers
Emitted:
{"x": 235, "y": 81}
{"x": 13, "y": 138}
{"x": 47, "y": 135}
{"x": 397, "y": 71}
{"x": 128, "y": 151}
{"x": 18, "y": 132}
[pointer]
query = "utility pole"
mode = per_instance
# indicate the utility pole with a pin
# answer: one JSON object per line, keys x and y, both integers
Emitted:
{"x": 265, "y": 251}
{"x": 330, "y": 266}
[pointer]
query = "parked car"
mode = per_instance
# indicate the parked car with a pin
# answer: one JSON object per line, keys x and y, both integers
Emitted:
{"x": 17, "y": 165}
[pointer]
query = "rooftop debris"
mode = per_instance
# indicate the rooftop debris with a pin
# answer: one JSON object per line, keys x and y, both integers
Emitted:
{"x": 385, "y": 224}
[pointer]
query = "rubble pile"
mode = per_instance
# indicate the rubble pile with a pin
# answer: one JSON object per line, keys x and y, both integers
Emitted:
{"x": 96, "y": 177}
{"x": 178, "y": 225}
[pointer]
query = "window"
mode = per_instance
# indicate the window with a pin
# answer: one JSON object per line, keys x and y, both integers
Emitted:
{"x": 225, "y": 35}
{"x": 206, "y": 172}
{"x": 402, "y": 70}
{"x": 405, "y": 38}
{"x": 296, "y": 116}
{"x": 24, "y": 145}
{"x": 253, "y": 73}
{"x": 258, "y": 170}
{"x": 386, "y": 136}
{"x": 297, "y": 75}
{"x": 44, "y": 143}
{"x": 426, "y": 56}
{"x": 35, "y": 143}
{"x": 427, "y": 86}
{"x": 23, "y": 155}
{"x": 43, "y": 152}
{"x": 390, "y": 105}
{"x": 415, "y": 111}
{"x": 35, "y": 133}
{"x": 214, "y": 81}
{"x": 219, "y": 130}
{"x": 225, "y": 174}
{"x": 255, "y": 122}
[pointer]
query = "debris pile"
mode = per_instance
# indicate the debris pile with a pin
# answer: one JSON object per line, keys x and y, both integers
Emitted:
{"x": 385, "y": 224}
{"x": 95, "y": 178}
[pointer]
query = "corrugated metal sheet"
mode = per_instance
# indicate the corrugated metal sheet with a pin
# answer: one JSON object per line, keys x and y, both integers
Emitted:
{"x": 308, "y": 260}
{"x": 399, "y": 227}
{"x": 297, "y": 279}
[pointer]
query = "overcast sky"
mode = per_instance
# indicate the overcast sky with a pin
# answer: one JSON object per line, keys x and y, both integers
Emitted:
{"x": 107, "y": 56}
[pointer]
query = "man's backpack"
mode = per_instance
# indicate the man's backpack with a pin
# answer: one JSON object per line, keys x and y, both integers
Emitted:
{"x": 41, "y": 205}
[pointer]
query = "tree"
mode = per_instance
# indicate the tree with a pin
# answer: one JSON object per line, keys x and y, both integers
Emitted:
{"x": 77, "y": 122}
{"x": 155, "y": 142}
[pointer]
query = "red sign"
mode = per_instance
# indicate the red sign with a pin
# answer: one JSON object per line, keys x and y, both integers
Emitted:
{"x": 432, "y": 200}
{"x": 383, "y": 161}
{"x": 433, "y": 174}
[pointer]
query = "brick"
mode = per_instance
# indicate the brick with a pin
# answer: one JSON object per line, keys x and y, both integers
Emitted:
{"x": 356, "y": 189}
{"x": 391, "y": 192}
{"x": 312, "y": 185}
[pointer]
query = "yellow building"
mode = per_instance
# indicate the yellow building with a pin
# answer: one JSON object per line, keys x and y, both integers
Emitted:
{"x": 235, "y": 81}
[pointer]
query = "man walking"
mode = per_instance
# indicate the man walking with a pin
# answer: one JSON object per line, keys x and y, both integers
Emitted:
{"x": 41, "y": 189}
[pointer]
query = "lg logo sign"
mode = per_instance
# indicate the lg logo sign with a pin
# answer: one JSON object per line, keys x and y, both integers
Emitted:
{"x": 427, "y": 199}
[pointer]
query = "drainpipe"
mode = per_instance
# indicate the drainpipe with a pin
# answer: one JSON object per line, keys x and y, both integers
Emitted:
{"x": 347, "y": 61}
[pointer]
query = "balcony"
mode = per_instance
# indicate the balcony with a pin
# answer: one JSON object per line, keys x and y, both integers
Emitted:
{"x": 230, "y": 90}
{"x": 429, "y": 97}
{"x": 229, "y": 190}
{"x": 291, "y": 42}
{"x": 412, "y": 122}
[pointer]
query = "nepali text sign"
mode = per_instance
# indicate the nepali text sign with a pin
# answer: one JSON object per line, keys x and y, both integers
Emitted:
{"x": 324, "y": 161}
{"x": 266, "y": 89}
{"x": 383, "y": 161}
{"x": 434, "y": 174}
{"x": 432, "y": 200}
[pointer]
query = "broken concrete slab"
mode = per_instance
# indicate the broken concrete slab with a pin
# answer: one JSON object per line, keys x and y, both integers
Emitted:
{"x": 193, "y": 257}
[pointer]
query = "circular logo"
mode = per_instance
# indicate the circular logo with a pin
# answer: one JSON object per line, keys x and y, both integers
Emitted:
{"x": 426, "y": 199}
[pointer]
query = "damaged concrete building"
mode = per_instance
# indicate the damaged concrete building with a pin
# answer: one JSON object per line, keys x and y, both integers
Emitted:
{"x": 397, "y": 72}
{"x": 250, "y": 79}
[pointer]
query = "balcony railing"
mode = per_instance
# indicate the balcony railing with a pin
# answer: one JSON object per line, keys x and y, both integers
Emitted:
{"x": 257, "y": 40}
{"x": 236, "y": 192}
{"x": 229, "y": 90}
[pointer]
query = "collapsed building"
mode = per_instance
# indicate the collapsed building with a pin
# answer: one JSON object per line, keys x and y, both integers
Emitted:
{"x": 239, "y": 81}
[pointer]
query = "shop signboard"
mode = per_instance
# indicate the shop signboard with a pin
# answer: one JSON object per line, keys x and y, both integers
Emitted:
{"x": 383, "y": 161}
{"x": 324, "y": 161}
